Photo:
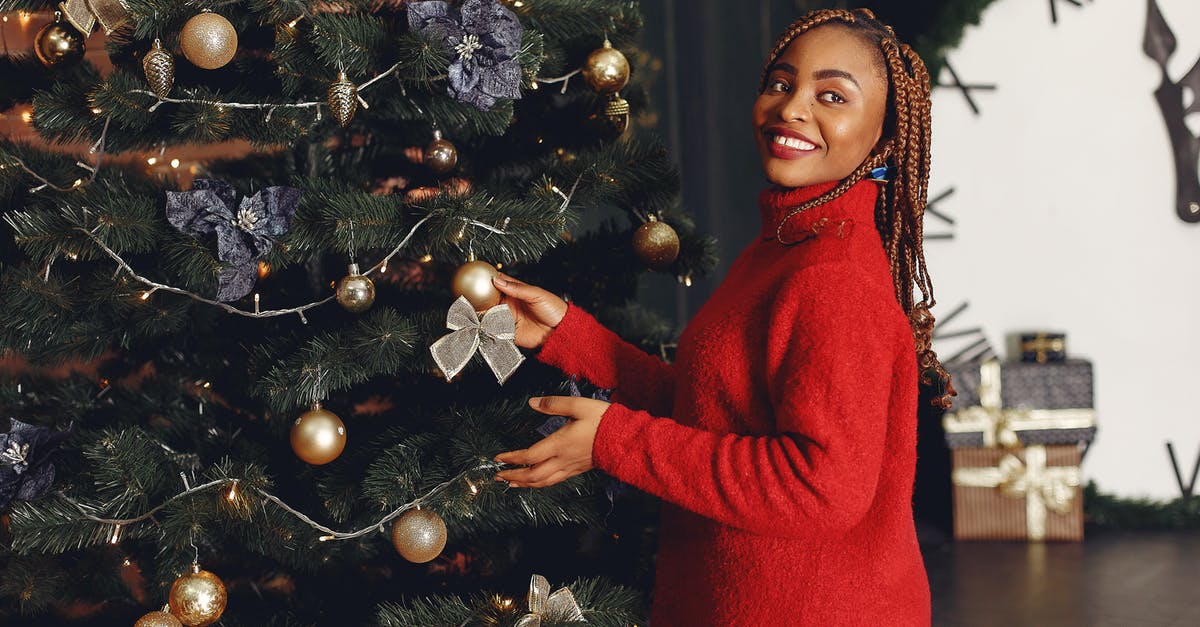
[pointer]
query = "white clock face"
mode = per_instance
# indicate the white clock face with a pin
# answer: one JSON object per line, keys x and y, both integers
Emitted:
{"x": 1065, "y": 217}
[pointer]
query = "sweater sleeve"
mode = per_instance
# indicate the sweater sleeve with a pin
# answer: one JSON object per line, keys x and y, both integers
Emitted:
{"x": 831, "y": 358}
{"x": 581, "y": 346}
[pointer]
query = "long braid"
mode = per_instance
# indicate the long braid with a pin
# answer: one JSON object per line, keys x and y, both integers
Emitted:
{"x": 899, "y": 216}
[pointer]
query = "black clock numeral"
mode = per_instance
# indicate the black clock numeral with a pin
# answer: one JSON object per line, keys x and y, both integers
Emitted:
{"x": 965, "y": 88}
{"x": 1054, "y": 8}
{"x": 932, "y": 209}
{"x": 977, "y": 347}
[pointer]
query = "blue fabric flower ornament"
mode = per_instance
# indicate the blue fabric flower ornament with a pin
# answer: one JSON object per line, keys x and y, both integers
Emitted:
{"x": 25, "y": 469}
{"x": 484, "y": 37}
{"x": 245, "y": 231}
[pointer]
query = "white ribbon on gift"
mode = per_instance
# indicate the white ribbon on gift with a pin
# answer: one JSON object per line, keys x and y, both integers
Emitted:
{"x": 1000, "y": 425}
{"x": 1043, "y": 487}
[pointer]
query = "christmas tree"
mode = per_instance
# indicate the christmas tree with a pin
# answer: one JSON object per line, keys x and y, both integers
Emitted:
{"x": 226, "y": 253}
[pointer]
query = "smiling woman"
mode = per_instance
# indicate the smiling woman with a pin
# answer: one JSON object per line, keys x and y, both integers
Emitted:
{"x": 821, "y": 111}
{"x": 783, "y": 438}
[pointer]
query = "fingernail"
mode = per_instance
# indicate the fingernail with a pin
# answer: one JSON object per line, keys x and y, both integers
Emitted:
{"x": 535, "y": 401}
{"x": 499, "y": 281}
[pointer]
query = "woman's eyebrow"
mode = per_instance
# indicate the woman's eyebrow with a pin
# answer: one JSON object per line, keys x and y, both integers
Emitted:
{"x": 822, "y": 74}
{"x": 781, "y": 66}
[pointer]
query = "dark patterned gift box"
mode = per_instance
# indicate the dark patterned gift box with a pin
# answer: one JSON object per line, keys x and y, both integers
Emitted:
{"x": 1017, "y": 432}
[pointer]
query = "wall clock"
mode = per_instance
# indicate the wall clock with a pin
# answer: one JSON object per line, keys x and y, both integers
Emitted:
{"x": 1159, "y": 44}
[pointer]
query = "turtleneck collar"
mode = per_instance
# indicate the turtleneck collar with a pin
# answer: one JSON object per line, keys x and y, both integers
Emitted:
{"x": 835, "y": 218}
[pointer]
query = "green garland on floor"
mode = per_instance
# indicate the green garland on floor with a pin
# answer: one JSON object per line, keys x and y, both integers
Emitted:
{"x": 1111, "y": 512}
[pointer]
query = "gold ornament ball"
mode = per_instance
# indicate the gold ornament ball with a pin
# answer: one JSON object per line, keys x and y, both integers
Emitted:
{"x": 606, "y": 69}
{"x": 197, "y": 598}
{"x": 473, "y": 280}
{"x": 419, "y": 535}
{"x": 159, "y": 68}
{"x": 158, "y": 619}
{"x": 440, "y": 155}
{"x": 208, "y": 40}
{"x": 58, "y": 44}
{"x": 355, "y": 292}
{"x": 656, "y": 244}
{"x": 318, "y": 436}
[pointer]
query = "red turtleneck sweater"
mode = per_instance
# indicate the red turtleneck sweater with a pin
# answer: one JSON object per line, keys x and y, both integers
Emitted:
{"x": 782, "y": 439}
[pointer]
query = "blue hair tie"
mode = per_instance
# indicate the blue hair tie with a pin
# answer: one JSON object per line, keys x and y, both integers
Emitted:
{"x": 879, "y": 174}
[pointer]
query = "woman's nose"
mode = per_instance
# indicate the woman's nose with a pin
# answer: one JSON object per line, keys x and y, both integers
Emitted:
{"x": 797, "y": 108}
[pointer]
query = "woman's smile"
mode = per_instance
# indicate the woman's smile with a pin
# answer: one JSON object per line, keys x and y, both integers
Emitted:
{"x": 785, "y": 143}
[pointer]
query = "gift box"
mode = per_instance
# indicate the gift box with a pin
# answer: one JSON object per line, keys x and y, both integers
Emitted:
{"x": 1030, "y": 493}
{"x": 1042, "y": 347}
{"x": 1020, "y": 403}
{"x": 1017, "y": 433}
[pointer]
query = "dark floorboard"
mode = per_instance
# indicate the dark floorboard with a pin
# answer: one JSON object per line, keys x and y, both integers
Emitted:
{"x": 1113, "y": 579}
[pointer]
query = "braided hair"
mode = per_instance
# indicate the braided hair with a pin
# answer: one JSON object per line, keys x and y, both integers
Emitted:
{"x": 905, "y": 150}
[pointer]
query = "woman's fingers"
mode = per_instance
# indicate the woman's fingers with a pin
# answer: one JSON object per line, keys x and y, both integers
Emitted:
{"x": 552, "y": 405}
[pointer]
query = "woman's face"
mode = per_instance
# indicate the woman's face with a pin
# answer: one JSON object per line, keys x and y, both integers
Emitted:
{"x": 821, "y": 113}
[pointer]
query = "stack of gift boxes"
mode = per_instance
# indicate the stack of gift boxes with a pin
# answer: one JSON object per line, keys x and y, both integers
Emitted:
{"x": 1017, "y": 433}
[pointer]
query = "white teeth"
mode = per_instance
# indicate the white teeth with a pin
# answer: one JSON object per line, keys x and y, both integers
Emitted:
{"x": 792, "y": 142}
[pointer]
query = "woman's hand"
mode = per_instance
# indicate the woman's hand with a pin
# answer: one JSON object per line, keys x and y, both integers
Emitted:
{"x": 562, "y": 454}
{"x": 536, "y": 311}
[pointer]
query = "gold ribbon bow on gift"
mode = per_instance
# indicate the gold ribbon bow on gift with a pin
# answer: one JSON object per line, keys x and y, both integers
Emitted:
{"x": 1000, "y": 425}
{"x": 559, "y": 607}
{"x": 83, "y": 14}
{"x": 492, "y": 336}
{"x": 1042, "y": 487}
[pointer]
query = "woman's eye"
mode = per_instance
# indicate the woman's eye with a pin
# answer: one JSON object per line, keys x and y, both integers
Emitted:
{"x": 777, "y": 86}
{"x": 831, "y": 96}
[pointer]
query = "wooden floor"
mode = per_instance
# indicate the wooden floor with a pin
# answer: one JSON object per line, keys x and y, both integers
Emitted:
{"x": 1113, "y": 579}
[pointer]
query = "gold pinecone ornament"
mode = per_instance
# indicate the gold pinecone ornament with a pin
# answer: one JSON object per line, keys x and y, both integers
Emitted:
{"x": 616, "y": 112}
{"x": 343, "y": 99}
{"x": 159, "y": 67}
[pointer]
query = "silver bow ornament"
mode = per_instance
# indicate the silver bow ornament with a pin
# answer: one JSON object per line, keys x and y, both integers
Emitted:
{"x": 83, "y": 14}
{"x": 492, "y": 335}
{"x": 559, "y": 607}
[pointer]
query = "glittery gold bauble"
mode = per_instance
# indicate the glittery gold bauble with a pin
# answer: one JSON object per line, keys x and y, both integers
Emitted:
{"x": 159, "y": 67}
{"x": 419, "y": 535}
{"x": 616, "y": 111}
{"x": 606, "y": 69}
{"x": 355, "y": 292}
{"x": 656, "y": 244}
{"x": 318, "y": 436}
{"x": 58, "y": 44}
{"x": 197, "y": 598}
{"x": 158, "y": 619}
{"x": 342, "y": 98}
{"x": 440, "y": 155}
{"x": 474, "y": 281}
{"x": 208, "y": 40}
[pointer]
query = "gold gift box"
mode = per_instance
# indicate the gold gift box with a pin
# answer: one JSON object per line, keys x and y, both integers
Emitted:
{"x": 1030, "y": 493}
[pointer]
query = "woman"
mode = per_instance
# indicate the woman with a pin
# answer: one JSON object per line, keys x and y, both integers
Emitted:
{"x": 783, "y": 438}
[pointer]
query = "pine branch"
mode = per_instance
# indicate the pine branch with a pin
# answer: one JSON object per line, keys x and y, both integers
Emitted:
{"x": 603, "y": 603}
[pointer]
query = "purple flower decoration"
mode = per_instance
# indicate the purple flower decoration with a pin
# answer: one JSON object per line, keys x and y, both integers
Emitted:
{"x": 245, "y": 231}
{"x": 25, "y": 469}
{"x": 484, "y": 37}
